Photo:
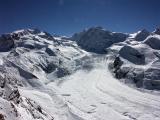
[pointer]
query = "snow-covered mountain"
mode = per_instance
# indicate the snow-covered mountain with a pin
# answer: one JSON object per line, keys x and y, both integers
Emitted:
{"x": 29, "y": 60}
{"x": 94, "y": 75}
{"x": 97, "y": 39}
{"x": 134, "y": 57}
{"x": 137, "y": 61}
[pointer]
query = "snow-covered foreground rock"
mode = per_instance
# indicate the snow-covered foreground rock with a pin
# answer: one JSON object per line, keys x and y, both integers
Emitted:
{"x": 93, "y": 75}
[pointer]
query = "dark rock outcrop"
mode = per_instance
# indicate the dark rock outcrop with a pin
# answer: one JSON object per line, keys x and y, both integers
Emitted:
{"x": 157, "y": 31}
{"x": 153, "y": 42}
{"x": 6, "y": 43}
{"x": 142, "y": 35}
{"x": 132, "y": 55}
{"x": 97, "y": 39}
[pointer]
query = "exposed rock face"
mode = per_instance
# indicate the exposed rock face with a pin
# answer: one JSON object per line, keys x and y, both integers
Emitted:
{"x": 97, "y": 39}
{"x": 117, "y": 65}
{"x": 153, "y": 42}
{"x": 157, "y": 31}
{"x": 142, "y": 35}
{"x": 6, "y": 43}
{"x": 132, "y": 55}
{"x": 117, "y": 62}
{"x": 2, "y": 117}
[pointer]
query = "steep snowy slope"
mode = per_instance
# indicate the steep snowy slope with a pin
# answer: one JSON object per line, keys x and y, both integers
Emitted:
{"x": 96, "y": 95}
{"x": 29, "y": 60}
{"x": 58, "y": 78}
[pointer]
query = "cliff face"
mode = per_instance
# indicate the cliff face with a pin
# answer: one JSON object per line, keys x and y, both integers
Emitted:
{"x": 97, "y": 39}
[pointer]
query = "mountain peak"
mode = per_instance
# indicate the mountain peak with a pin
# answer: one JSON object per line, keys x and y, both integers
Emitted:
{"x": 144, "y": 31}
{"x": 27, "y": 31}
{"x": 142, "y": 35}
{"x": 96, "y": 39}
{"x": 157, "y": 31}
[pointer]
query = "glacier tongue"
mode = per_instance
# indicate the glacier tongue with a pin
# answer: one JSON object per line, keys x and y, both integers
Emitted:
{"x": 96, "y": 95}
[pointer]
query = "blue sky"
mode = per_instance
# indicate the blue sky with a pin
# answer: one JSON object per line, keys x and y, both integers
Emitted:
{"x": 65, "y": 17}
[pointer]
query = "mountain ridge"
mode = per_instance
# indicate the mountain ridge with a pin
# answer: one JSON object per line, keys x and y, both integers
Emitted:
{"x": 38, "y": 69}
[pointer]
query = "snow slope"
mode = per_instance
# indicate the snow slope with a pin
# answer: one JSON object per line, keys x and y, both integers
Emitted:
{"x": 96, "y": 95}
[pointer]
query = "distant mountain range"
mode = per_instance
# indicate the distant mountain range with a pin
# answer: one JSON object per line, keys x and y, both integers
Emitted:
{"x": 58, "y": 78}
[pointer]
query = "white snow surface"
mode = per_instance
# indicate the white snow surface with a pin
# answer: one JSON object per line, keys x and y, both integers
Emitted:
{"x": 96, "y": 95}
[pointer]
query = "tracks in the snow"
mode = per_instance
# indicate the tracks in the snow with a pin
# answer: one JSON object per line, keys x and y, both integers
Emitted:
{"x": 97, "y": 94}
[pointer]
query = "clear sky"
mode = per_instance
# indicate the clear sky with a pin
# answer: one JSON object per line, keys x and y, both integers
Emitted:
{"x": 65, "y": 17}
